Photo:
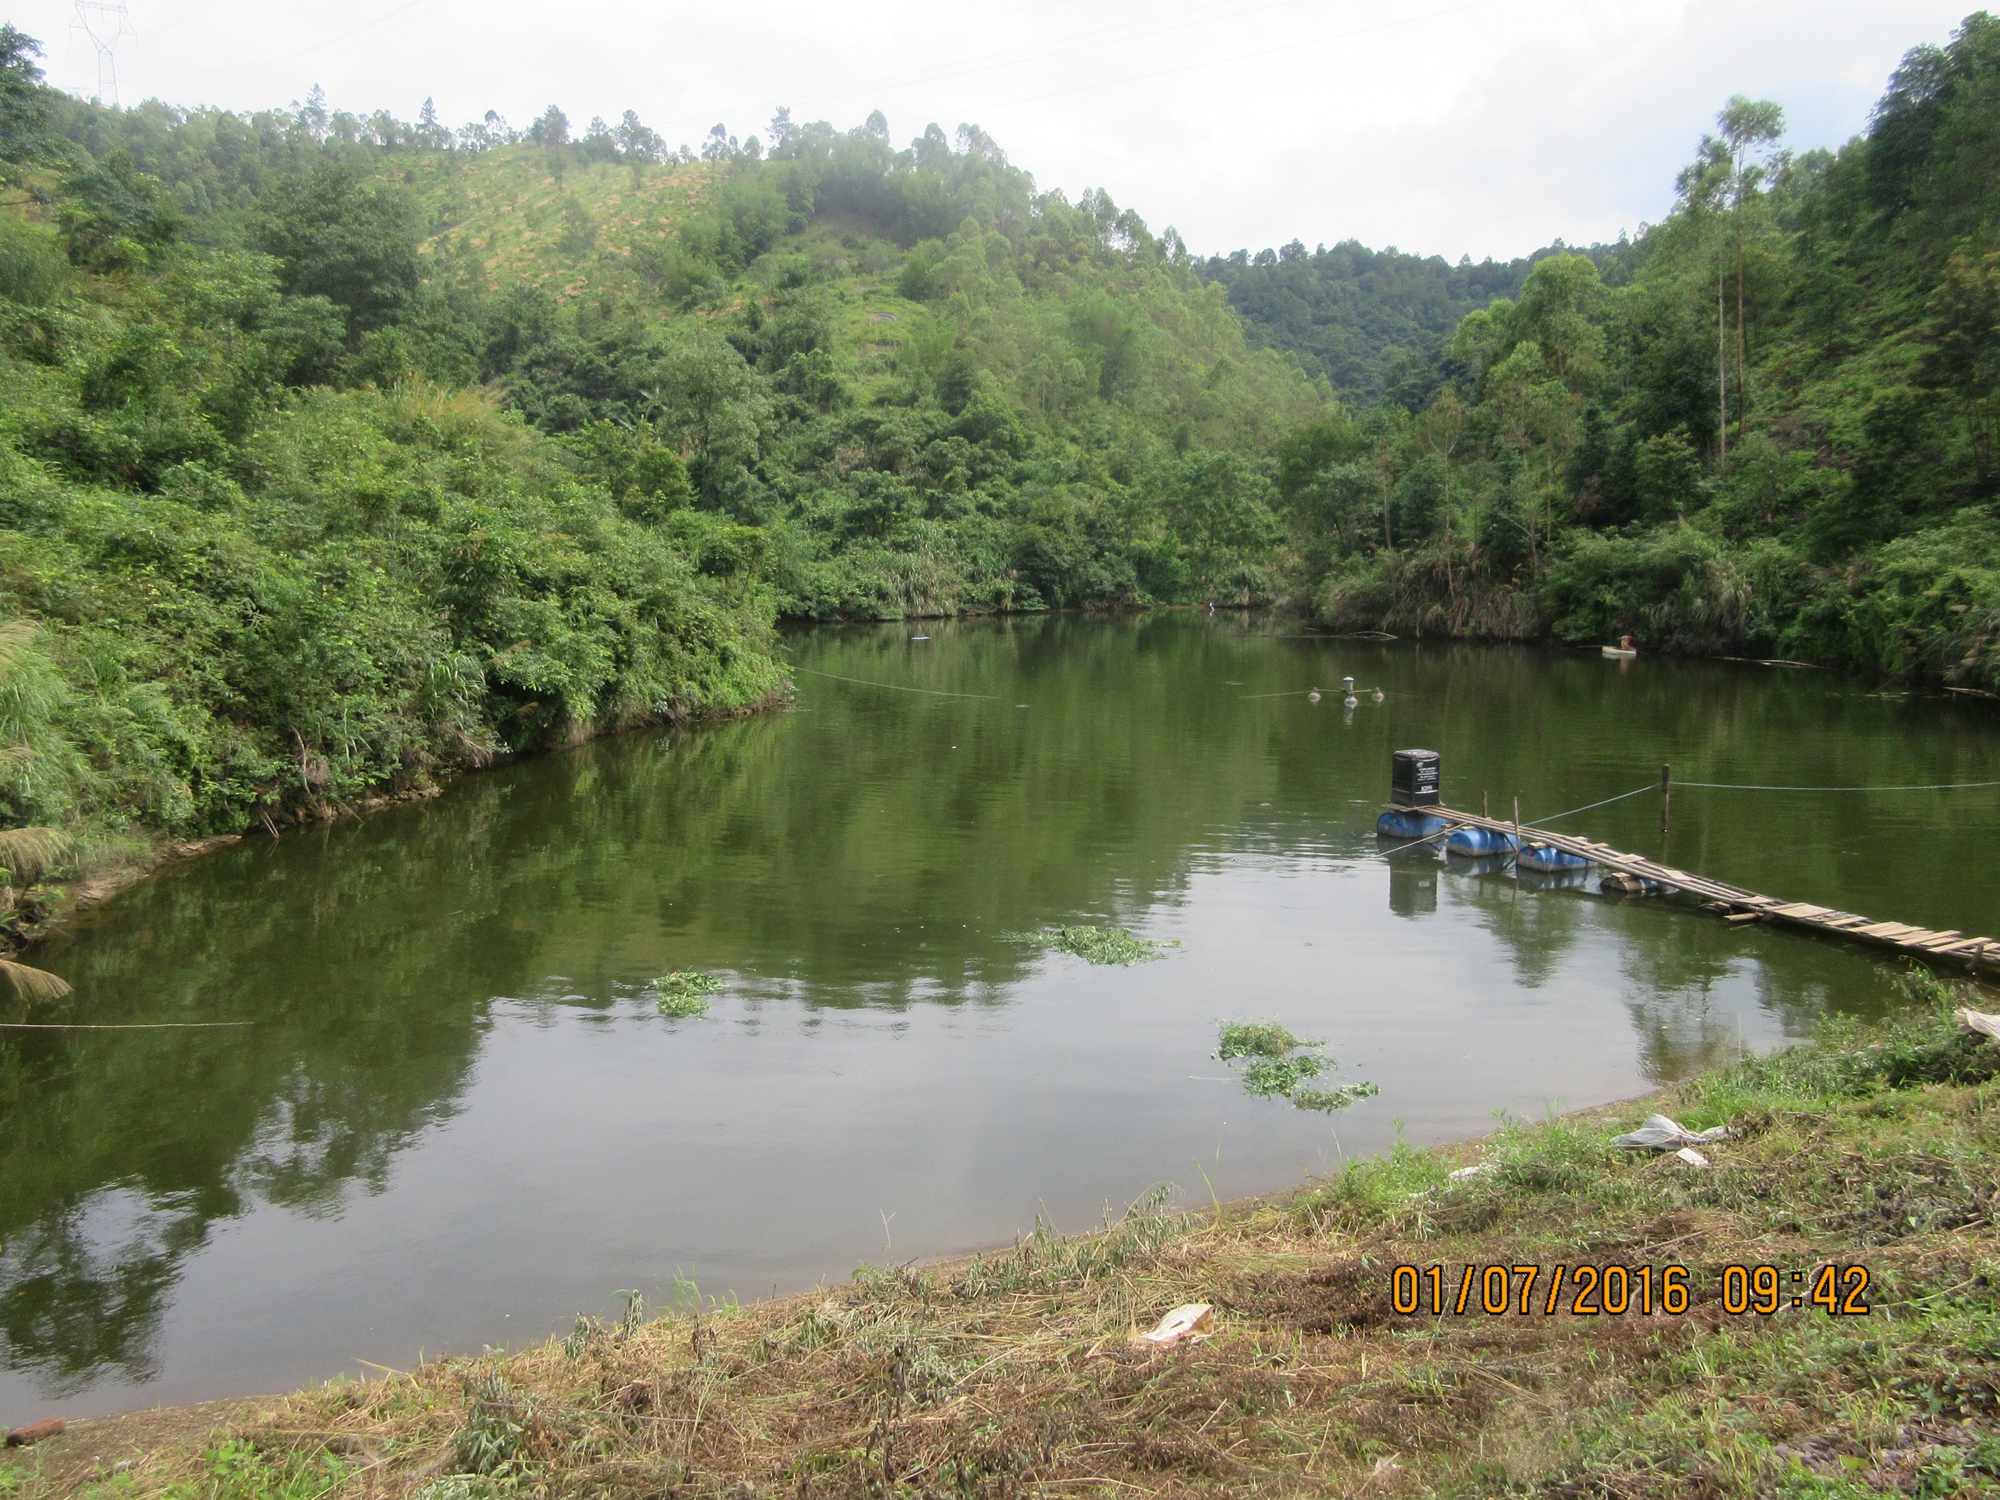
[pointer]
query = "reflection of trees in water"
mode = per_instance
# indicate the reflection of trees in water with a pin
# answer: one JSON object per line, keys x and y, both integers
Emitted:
{"x": 119, "y": 1149}
{"x": 1673, "y": 961}
{"x": 1669, "y": 985}
{"x": 1671, "y": 990}
{"x": 1681, "y": 1031}
{"x": 793, "y": 850}
{"x": 82, "y": 1290}
{"x": 1536, "y": 928}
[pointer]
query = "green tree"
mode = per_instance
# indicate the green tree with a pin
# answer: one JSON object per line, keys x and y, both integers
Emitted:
{"x": 115, "y": 216}
{"x": 24, "y": 107}
{"x": 1963, "y": 331}
{"x": 1555, "y": 312}
{"x": 1219, "y": 508}
{"x": 1750, "y": 127}
{"x": 350, "y": 241}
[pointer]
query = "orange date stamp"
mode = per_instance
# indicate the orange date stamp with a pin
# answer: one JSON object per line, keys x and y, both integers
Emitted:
{"x": 1616, "y": 1291}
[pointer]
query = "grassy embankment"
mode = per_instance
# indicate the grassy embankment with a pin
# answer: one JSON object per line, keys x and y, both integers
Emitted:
{"x": 1015, "y": 1373}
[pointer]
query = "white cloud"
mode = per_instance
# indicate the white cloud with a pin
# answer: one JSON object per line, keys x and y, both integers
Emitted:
{"x": 1456, "y": 126}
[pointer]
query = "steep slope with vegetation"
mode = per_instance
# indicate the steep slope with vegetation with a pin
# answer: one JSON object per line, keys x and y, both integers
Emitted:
{"x": 1767, "y": 428}
{"x": 338, "y": 454}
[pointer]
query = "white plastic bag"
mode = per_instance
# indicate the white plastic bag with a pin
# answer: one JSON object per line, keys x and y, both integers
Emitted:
{"x": 1979, "y": 1020}
{"x": 1189, "y": 1320}
{"x": 1662, "y": 1134}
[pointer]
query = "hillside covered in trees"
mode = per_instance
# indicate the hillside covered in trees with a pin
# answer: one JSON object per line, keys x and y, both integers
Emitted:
{"x": 1767, "y": 427}
{"x": 339, "y": 452}
{"x": 1368, "y": 322}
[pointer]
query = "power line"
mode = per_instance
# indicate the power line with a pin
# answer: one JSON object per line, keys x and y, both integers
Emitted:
{"x": 320, "y": 46}
{"x": 116, "y": 1026}
{"x": 891, "y": 686}
{"x": 1740, "y": 786}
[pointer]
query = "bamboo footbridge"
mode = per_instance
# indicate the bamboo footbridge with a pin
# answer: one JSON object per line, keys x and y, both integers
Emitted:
{"x": 1735, "y": 904}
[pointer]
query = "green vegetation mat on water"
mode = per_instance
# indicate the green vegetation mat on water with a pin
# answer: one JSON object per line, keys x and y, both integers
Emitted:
{"x": 1097, "y": 945}
{"x": 1022, "y": 1371}
{"x": 1278, "y": 1065}
{"x": 684, "y": 993}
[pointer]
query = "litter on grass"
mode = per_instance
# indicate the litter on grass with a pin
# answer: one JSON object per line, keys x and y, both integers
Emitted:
{"x": 1189, "y": 1320}
{"x": 1980, "y": 1021}
{"x": 1464, "y": 1174}
{"x": 682, "y": 993}
{"x": 1662, "y": 1134}
{"x": 1097, "y": 945}
{"x": 1691, "y": 1156}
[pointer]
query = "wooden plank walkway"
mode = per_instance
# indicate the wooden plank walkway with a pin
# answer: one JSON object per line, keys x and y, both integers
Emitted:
{"x": 1738, "y": 905}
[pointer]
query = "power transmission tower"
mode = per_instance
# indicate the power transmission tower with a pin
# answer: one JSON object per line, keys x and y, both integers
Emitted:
{"x": 105, "y": 22}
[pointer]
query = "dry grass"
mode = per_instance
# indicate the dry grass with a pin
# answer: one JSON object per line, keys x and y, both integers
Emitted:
{"x": 1017, "y": 1374}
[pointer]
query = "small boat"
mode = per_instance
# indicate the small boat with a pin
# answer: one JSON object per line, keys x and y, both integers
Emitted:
{"x": 1408, "y": 823}
{"x": 1474, "y": 842}
{"x": 1623, "y": 651}
{"x": 1548, "y": 858}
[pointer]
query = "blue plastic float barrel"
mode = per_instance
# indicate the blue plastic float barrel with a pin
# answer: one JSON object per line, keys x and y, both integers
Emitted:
{"x": 1408, "y": 823}
{"x": 1548, "y": 858}
{"x": 1477, "y": 841}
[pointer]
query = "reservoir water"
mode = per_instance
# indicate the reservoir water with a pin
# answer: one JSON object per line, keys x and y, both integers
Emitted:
{"x": 457, "y": 1117}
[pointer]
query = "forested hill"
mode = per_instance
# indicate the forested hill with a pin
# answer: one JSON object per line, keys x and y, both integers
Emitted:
{"x": 336, "y": 453}
{"x": 1367, "y": 321}
{"x": 1772, "y": 428}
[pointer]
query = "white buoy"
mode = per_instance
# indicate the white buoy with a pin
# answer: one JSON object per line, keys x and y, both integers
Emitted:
{"x": 1349, "y": 701}
{"x": 1313, "y": 696}
{"x": 1376, "y": 696}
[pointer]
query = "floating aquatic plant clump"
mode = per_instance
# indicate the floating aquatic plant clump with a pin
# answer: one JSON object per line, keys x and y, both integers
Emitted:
{"x": 1280, "y": 1077}
{"x": 1280, "y": 1065}
{"x": 1328, "y": 1100}
{"x": 683, "y": 992}
{"x": 1097, "y": 945}
{"x": 1256, "y": 1039}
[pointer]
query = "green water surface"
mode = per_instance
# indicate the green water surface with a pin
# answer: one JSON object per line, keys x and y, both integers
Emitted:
{"x": 457, "y": 1117}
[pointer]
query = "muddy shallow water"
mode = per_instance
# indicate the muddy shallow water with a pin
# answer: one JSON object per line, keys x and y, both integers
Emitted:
{"x": 458, "y": 1117}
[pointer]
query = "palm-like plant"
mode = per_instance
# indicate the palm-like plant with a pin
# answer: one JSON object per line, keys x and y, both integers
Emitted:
{"x": 30, "y": 985}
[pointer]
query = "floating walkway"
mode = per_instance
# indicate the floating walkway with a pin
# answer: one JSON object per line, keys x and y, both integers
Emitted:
{"x": 1735, "y": 904}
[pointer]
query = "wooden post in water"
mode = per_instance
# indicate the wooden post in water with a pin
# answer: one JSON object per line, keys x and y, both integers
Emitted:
{"x": 1517, "y": 822}
{"x": 1482, "y": 806}
{"x": 1666, "y": 796}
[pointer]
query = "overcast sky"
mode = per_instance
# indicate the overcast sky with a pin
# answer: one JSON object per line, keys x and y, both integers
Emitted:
{"x": 1480, "y": 127}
